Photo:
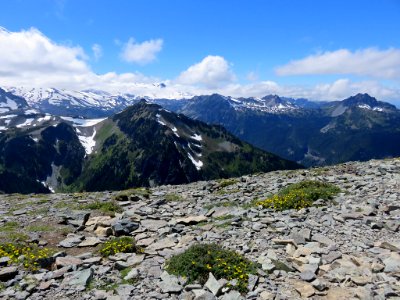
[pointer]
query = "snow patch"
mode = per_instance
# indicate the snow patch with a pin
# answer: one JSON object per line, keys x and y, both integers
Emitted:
{"x": 26, "y": 123}
{"x": 88, "y": 142}
{"x": 44, "y": 119}
{"x": 8, "y": 116}
{"x": 197, "y": 164}
{"x": 83, "y": 122}
{"x": 159, "y": 121}
{"x": 196, "y": 137}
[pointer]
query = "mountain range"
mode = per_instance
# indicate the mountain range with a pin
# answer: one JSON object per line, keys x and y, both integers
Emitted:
{"x": 144, "y": 145}
{"x": 307, "y": 132}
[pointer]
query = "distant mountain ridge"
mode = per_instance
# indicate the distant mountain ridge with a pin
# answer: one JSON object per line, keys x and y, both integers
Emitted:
{"x": 311, "y": 133}
{"x": 144, "y": 145}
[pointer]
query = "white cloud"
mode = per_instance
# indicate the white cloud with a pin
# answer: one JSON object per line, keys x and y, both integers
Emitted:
{"x": 29, "y": 58}
{"x": 29, "y": 52}
{"x": 97, "y": 51}
{"x": 211, "y": 72}
{"x": 369, "y": 62}
{"x": 141, "y": 53}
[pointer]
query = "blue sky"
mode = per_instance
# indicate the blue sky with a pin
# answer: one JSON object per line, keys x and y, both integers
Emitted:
{"x": 319, "y": 49}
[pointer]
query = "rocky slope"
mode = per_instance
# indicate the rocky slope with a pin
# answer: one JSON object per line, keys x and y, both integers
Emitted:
{"x": 348, "y": 249}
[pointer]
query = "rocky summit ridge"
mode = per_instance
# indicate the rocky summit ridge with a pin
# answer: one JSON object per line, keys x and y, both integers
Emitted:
{"x": 345, "y": 249}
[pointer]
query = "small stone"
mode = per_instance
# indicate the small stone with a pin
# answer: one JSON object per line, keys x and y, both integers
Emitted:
{"x": 361, "y": 280}
{"x": 124, "y": 227}
{"x": 191, "y": 220}
{"x": 71, "y": 241}
{"x": 390, "y": 246}
{"x": 162, "y": 244}
{"x": 44, "y": 285}
{"x": 392, "y": 263}
{"x": 103, "y": 231}
{"x": 203, "y": 295}
{"x": 213, "y": 285}
{"x": 253, "y": 279}
{"x": 132, "y": 274}
{"x": 232, "y": 295}
{"x": 90, "y": 242}
{"x": 305, "y": 289}
{"x": 8, "y": 273}
{"x": 68, "y": 261}
{"x": 307, "y": 276}
{"x": 284, "y": 242}
{"x": 4, "y": 261}
{"x": 265, "y": 295}
{"x": 319, "y": 284}
{"x": 170, "y": 283}
{"x": 124, "y": 291}
{"x": 331, "y": 256}
{"x": 322, "y": 239}
{"x": 79, "y": 278}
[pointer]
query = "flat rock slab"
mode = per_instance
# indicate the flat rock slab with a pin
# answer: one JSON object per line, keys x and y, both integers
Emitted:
{"x": 191, "y": 220}
{"x": 170, "y": 283}
{"x": 162, "y": 244}
{"x": 8, "y": 273}
{"x": 153, "y": 225}
{"x": 79, "y": 278}
{"x": 68, "y": 261}
{"x": 72, "y": 240}
{"x": 90, "y": 242}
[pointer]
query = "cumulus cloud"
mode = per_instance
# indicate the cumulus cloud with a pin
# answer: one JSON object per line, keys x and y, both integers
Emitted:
{"x": 369, "y": 62}
{"x": 29, "y": 58}
{"x": 29, "y": 52}
{"x": 141, "y": 53}
{"x": 211, "y": 72}
{"x": 97, "y": 51}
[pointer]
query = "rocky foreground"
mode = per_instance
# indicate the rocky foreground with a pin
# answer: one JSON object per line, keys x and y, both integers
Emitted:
{"x": 348, "y": 249}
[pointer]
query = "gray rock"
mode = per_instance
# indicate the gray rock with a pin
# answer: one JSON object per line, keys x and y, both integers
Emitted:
{"x": 331, "y": 256}
{"x": 392, "y": 263}
{"x": 68, "y": 261}
{"x": 191, "y": 220}
{"x": 162, "y": 244}
{"x": 124, "y": 227}
{"x": 253, "y": 279}
{"x": 203, "y": 295}
{"x": 169, "y": 283}
{"x": 79, "y": 278}
{"x": 72, "y": 240}
{"x": 153, "y": 225}
{"x": 322, "y": 239}
{"x": 232, "y": 295}
{"x": 213, "y": 285}
{"x": 132, "y": 274}
{"x": 90, "y": 242}
{"x": 7, "y": 273}
{"x": 307, "y": 275}
{"x": 124, "y": 291}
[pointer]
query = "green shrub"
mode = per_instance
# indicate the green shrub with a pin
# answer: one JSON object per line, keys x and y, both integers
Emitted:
{"x": 226, "y": 182}
{"x": 173, "y": 197}
{"x": 105, "y": 207}
{"x": 300, "y": 195}
{"x": 200, "y": 259}
{"x": 124, "y": 244}
{"x": 33, "y": 257}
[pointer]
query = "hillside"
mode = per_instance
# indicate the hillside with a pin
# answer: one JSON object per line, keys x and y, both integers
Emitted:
{"x": 144, "y": 145}
{"x": 344, "y": 248}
